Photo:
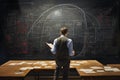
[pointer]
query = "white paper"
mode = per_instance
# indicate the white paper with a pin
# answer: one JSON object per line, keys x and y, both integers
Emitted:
{"x": 19, "y": 72}
{"x": 23, "y": 68}
{"x": 87, "y": 70}
{"x": 36, "y": 67}
{"x": 100, "y": 71}
{"x": 116, "y": 70}
{"x": 12, "y": 64}
{"x": 44, "y": 64}
{"x": 96, "y": 67}
{"x": 29, "y": 63}
{"x": 26, "y": 68}
{"x": 74, "y": 64}
{"x": 36, "y": 63}
{"x": 107, "y": 67}
{"x": 48, "y": 67}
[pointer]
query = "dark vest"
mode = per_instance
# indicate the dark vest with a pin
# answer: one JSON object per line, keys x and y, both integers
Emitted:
{"x": 62, "y": 54}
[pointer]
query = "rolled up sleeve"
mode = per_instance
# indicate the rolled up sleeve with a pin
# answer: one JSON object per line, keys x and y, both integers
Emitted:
{"x": 70, "y": 47}
{"x": 53, "y": 50}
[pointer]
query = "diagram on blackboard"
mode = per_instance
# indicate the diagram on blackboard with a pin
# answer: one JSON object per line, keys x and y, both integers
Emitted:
{"x": 46, "y": 27}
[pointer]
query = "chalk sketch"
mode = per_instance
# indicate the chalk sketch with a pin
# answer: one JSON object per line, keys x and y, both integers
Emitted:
{"x": 46, "y": 27}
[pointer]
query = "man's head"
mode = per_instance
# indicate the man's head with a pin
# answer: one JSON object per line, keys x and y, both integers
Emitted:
{"x": 63, "y": 30}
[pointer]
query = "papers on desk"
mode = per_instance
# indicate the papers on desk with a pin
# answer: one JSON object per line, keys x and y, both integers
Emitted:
{"x": 19, "y": 72}
{"x": 23, "y": 68}
{"x": 44, "y": 64}
{"x": 37, "y": 67}
{"x": 29, "y": 63}
{"x": 100, "y": 71}
{"x": 107, "y": 67}
{"x": 74, "y": 64}
{"x": 26, "y": 68}
{"x": 82, "y": 62}
{"x": 40, "y": 63}
{"x": 20, "y": 63}
{"x": 96, "y": 67}
{"x": 48, "y": 67}
{"x": 87, "y": 70}
{"x": 116, "y": 70}
{"x": 113, "y": 69}
{"x": 12, "y": 64}
{"x": 29, "y": 67}
{"x": 79, "y": 62}
{"x": 51, "y": 62}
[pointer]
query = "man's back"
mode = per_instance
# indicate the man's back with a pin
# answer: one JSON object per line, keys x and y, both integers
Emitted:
{"x": 62, "y": 48}
{"x": 62, "y": 54}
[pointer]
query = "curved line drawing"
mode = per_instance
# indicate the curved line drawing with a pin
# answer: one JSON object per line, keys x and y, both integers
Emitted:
{"x": 93, "y": 19}
{"x": 38, "y": 20}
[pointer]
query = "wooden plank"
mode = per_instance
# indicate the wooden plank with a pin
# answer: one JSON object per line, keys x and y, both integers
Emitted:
{"x": 13, "y": 72}
{"x": 9, "y": 68}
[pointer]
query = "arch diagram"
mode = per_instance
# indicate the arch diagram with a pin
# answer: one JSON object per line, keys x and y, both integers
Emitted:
{"x": 46, "y": 27}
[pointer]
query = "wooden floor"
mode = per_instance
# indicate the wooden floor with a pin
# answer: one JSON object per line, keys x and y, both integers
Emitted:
{"x": 44, "y": 70}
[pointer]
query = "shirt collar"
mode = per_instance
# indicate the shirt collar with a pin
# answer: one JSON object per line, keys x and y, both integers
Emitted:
{"x": 62, "y": 36}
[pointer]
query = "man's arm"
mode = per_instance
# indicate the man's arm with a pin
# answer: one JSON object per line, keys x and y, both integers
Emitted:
{"x": 52, "y": 46}
{"x": 53, "y": 49}
{"x": 70, "y": 47}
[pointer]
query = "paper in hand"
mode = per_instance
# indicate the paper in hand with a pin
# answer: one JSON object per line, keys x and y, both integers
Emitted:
{"x": 50, "y": 45}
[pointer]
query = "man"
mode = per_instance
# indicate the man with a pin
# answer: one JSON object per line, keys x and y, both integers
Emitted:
{"x": 62, "y": 48}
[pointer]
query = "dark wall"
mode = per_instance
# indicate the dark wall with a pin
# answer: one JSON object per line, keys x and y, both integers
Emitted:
{"x": 6, "y": 7}
{"x": 23, "y": 38}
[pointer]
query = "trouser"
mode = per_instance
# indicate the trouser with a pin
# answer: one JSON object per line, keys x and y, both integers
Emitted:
{"x": 65, "y": 70}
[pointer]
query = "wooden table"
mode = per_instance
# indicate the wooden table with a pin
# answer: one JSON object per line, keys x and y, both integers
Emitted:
{"x": 84, "y": 63}
{"x": 114, "y": 65}
{"x": 99, "y": 72}
{"x": 12, "y": 73}
{"x": 25, "y": 66}
{"x": 18, "y": 66}
{"x": 25, "y": 63}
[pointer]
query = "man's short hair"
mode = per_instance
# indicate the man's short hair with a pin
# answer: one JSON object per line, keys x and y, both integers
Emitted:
{"x": 63, "y": 30}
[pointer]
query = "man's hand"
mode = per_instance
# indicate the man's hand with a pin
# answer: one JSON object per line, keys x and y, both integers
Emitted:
{"x": 50, "y": 45}
{"x": 73, "y": 53}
